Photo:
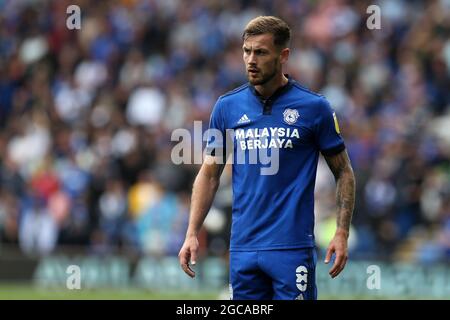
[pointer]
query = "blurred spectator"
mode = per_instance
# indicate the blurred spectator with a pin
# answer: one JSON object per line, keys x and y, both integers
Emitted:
{"x": 86, "y": 118}
{"x": 38, "y": 232}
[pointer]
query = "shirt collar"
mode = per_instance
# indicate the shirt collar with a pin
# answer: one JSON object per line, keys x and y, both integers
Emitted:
{"x": 277, "y": 92}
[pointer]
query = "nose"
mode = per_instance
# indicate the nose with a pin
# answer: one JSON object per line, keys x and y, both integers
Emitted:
{"x": 252, "y": 59}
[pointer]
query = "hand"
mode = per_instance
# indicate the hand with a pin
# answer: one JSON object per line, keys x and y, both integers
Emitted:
{"x": 338, "y": 246}
{"x": 188, "y": 252}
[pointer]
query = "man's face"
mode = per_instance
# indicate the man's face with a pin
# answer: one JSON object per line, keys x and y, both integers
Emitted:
{"x": 262, "y": 58}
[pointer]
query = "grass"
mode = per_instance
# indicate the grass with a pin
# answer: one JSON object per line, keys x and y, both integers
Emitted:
{"x": 29, "y": 292}
{"x": 26, "y": 292}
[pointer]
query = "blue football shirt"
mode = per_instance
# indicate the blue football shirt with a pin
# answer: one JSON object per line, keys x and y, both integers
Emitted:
{"x": 275, "y": 145}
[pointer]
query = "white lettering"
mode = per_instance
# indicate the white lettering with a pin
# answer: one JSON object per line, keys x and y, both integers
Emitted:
{"x": 264, "y": 144}
{"x": 374, "y": 20}
{"x": 74, "y": 20}
{"x": 289, "y": 144}
{"x": 374, "y": 280}
{"x": 273, "y": 131}
{"x": 302, "y": 278}
{"x": 272, "y": 144}
{"x": 74, "y": 280}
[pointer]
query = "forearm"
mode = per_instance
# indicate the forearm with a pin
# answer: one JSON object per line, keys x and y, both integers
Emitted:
{"x": 345, "y": 190}
{"x": 345, "y": 199}
{"x": 203, "y": 192}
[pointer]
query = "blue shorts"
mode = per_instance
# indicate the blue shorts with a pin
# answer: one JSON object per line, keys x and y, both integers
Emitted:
{"x": 273, "y": 274}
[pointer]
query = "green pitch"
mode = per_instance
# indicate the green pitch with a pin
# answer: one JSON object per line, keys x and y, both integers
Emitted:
{"x": 27, "y": 292}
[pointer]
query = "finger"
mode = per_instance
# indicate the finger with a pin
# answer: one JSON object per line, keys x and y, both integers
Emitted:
{"x": 336, "y": 273}
{"x": 339, "y": 267}
{"x": 330, "y": 251}
{"x": 193, "y": 256}
{"x": 187, "y": 269}
{"x": 337, "y": 263}
{"x": 184, "y": 258}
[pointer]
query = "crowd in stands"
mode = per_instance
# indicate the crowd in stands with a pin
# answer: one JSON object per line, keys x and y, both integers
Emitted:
{"x": 86, "y": 118}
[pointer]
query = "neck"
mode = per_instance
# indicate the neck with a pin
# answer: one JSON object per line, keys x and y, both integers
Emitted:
{"x": 267, "y": 89}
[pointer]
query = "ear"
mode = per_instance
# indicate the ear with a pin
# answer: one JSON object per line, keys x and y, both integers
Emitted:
{"x": 284, "y": 55}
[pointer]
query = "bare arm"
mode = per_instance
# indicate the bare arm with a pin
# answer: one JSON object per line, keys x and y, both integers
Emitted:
{"x": 345, "y": 199}
{"x": 345, "y": 189}
{"x": 203, "y": 192}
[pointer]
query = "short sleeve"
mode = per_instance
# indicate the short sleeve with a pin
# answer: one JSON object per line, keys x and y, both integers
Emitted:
{"x": 216, "y": 131}
{"x": 328, "y": 135}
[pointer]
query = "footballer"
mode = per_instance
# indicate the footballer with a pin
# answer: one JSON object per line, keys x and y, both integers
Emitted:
{"x": 272, "y": 254}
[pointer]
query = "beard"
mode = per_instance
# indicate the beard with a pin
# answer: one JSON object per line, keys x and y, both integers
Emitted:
{"x": 262, "y": 78}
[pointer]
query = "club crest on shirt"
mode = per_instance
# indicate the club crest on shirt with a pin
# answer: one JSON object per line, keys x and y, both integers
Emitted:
{"x": 290, "y": 116}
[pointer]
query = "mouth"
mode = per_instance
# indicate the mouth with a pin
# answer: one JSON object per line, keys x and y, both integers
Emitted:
{"x": 252, "y": 71}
